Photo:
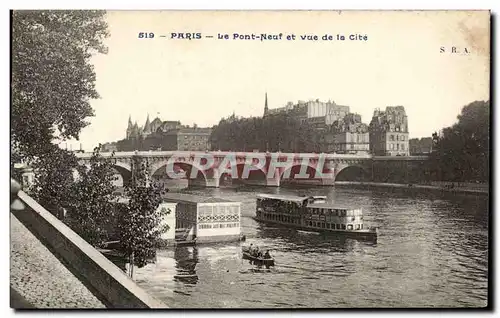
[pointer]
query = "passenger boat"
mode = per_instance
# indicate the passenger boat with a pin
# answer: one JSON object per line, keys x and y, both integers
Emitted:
{"x": 312, "y": 213}
{"x": 267, "y": 262}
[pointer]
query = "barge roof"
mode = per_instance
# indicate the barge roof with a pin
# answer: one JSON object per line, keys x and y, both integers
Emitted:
{"x": 331, "y": 206}
{"x": 181, "y": 197}
{"x": 184, "y": 197}
{"x": 291, "y": 198}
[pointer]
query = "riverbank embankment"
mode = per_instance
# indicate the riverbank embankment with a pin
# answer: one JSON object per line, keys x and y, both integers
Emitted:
{"x": 434, "y": 187}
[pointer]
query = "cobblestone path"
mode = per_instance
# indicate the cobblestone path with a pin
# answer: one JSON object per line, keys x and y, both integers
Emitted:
{"x": 40, "y": 277}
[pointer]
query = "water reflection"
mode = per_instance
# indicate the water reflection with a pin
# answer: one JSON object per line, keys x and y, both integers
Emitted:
{"x": 186, "y": 259}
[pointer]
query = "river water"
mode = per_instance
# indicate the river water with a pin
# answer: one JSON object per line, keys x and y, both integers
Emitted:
{"x": 432, "y": 251}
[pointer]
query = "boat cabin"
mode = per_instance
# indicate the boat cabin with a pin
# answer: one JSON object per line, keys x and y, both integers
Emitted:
{"x": 310, "y": 212}
{"x": 206, "y": 219}
{"x": 326, "y": 216}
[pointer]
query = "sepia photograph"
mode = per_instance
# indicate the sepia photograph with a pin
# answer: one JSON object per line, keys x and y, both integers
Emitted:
{"x": 250, "y": 159}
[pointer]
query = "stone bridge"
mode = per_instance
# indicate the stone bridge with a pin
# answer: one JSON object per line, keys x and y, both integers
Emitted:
{"x": 215, "y": 168}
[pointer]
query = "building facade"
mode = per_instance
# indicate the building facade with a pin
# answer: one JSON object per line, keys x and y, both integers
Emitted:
{"x": 349, "y": 135}
{"x": 389, "y": 132}
{"x": 315, "y": 111}
{"x": 162, "y": 135}
{"x": 193, "y": 139}
{"x": 182, "y": 139}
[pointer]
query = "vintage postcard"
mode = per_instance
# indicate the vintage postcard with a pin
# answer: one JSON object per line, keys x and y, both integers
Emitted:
{"x": 250, "y": 159}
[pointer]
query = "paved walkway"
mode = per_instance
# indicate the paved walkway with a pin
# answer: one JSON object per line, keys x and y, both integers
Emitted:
{"x": 40, "y": 278}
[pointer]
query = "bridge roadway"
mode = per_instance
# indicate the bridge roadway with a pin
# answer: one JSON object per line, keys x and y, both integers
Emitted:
{"x": 328, "y": 165}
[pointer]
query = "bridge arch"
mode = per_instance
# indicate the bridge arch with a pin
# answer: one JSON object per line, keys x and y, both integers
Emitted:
{"x": 159, "y": 171}
{"x": 353, "y": 172}
{"x": 123, "y": 173}
{"x": 255, "y": 177}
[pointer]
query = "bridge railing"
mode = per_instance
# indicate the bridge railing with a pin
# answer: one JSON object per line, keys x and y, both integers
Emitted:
{"x": 101, "y": 277}
{"x": 128, "y": 154}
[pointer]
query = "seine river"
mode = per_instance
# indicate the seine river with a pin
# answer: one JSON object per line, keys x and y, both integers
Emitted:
{"x": 432, "y": 251}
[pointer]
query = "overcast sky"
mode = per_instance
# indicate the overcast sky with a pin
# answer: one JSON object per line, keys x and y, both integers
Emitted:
{"x": 201, "y": 81}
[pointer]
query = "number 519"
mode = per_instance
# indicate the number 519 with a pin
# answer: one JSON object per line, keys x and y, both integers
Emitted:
{"x": 146, "y": 35}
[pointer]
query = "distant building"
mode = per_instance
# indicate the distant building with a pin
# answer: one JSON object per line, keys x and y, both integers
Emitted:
{"x": 162, "y": 135}
{"x": 349, "y": 135}
{"x": 189, "y": 139}
{"x": 315, "y": 111}
{"x": 318, "y": 122}
{"x": 150, "y": 128}
{"x": 389, "y": 132}
{"x": 421, "y": 146}
{"x": 109, "y": 147}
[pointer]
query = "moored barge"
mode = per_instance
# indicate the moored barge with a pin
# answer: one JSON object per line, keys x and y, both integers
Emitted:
{"x": 312, "y": 213}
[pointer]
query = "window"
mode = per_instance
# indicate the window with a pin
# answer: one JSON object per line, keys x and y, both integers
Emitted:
{"x": 391, "y": 138}
{"x": 343, "y": 226}
{"x": 397, "y": 146}
{"x": 349, "y": 227}
{"x": 357, "y": 226}
{"x": 397, "y": 137}
{"x": 338, "y": 226}
{"x": 402, "y": 137}
{"x": 402, "y": 146}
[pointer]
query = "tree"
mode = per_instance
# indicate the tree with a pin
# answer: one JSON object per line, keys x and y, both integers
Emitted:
{"x": 91, "y": 210}
{"x": 52, "y": 78}
{"x": 52, "y": 84}
{"x": 53, "y": 179}
{"x": 461, "y": 152}
{"x": 282, "y": 131}
{"x": 140, "y": 225}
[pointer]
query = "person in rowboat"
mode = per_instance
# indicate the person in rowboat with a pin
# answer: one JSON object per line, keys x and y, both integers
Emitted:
{"x": 256, "y": 252}
{"x": 267, "y": 255}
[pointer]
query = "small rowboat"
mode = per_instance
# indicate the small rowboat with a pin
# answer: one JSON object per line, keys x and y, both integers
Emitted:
{"x": 267, "y": 262}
